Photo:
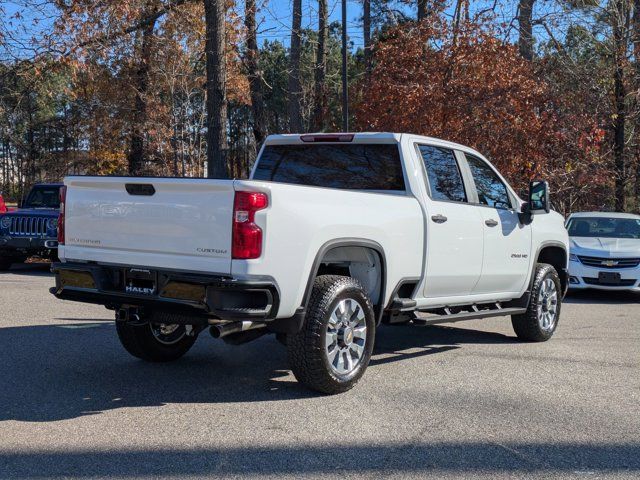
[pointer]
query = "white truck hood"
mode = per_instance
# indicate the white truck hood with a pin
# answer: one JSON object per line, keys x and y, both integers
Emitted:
{"x": 605, "y": 247}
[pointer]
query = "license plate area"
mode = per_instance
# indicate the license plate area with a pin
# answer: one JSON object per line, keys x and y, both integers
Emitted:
{"x": 138, "y": 281}
{"x": 611, "y": 278}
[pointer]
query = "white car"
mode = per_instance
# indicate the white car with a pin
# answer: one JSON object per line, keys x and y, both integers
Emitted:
{"x": 605, "y": 250}
{"x": 333, "y": 234}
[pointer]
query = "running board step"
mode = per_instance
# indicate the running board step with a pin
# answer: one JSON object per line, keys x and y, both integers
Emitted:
{"x": 403, "y": 304}
{"x": 459, "y": 317}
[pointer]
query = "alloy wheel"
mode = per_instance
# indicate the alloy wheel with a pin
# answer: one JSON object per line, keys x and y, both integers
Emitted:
{"x": 547, "y": 305}
{"x": 346, "y": 336}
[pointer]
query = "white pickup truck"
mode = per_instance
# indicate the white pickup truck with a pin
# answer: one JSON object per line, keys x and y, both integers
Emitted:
{"x": 332, "y": 235}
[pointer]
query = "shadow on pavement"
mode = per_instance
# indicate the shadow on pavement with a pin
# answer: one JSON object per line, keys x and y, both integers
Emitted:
{"x": 401, "y": 342}
{"x": 55, "y": 372}
{"x": 602, "y": 297}
{"x": 335, "y": 460}
{"x": 33, "y": 268}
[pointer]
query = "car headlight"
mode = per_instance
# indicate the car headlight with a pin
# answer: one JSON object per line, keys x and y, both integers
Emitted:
{"x": 53, "y": 223}
{"x": 573, "y": 257}
{"x": 5, "y": 222}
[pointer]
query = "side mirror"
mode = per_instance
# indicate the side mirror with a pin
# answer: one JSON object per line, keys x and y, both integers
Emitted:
{"x": 539, "y": 196}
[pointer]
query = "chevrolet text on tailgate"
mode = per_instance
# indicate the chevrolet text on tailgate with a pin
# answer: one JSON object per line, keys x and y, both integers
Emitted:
{"x": 333, "y": 235}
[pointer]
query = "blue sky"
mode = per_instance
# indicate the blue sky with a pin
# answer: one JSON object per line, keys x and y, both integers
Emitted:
{"x": 274, "y": 18}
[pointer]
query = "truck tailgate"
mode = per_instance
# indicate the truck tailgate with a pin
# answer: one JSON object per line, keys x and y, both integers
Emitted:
{"x": 170, "y": 223}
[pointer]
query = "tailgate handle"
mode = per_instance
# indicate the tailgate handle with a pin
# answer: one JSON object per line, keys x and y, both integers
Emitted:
{"x": 140, "y": 189}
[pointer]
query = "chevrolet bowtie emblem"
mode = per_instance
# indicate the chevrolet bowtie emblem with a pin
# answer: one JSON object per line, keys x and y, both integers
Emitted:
{"x": 609, "y": 263}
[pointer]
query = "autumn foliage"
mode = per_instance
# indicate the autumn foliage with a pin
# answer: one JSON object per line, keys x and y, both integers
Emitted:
{"x": 468, "y": 86}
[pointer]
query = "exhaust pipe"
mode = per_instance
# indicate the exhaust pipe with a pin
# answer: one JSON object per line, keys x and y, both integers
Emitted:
{"x": 224, "y": 329}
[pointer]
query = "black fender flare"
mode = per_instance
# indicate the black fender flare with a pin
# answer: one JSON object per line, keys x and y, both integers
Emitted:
{"x": 294, "y": 324}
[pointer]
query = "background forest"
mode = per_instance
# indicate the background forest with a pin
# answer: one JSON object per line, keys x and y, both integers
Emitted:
{"x": 544, "y": 88}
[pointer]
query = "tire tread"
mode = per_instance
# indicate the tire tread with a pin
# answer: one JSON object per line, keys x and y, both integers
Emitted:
{"x": 305, "y": 349}
{"x": 526, "y": 324}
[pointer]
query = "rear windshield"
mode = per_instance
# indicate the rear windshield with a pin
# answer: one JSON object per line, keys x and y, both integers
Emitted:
{"x": 604, "y": 227}
{"x": 353, "y": 167}
{"x": 43, "y": 197}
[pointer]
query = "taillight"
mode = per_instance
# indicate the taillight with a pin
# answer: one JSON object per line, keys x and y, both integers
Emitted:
{"x": 63, "y": 199}
{"x": 3, "y": 207}
{"x": 247, "y": 236}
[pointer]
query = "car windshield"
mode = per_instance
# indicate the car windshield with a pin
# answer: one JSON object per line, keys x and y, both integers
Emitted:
{"x": 43, "y": 197}
{"x": 604, "y": 227}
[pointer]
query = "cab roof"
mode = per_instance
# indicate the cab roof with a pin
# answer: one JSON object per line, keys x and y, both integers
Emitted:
{"x": 361, "y": 137}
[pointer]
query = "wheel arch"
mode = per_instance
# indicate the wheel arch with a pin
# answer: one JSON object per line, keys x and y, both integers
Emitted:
{"x": 555, "y": 254}
{"x": 346, "y": 256}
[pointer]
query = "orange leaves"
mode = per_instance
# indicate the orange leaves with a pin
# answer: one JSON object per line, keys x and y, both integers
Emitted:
{"x": 470, "y": 87}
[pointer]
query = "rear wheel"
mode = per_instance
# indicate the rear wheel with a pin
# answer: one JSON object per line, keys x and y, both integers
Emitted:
{"x": 156, "y": 342}
{"x": 332, "y": 351}
{"x": 540, "y": 320}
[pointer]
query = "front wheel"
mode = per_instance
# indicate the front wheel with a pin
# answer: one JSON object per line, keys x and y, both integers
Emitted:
{"x": 332, "y": 351}
{"x": 156, "y": 342}
{"x": 540, "y": 320}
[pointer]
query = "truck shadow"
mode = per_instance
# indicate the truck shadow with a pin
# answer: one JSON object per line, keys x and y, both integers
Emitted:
{"x": 401, "y": 342}
{"x": 56, "y": 372}
{"x": 36, "y": 268}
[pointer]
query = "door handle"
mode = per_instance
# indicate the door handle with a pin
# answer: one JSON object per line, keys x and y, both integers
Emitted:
{"x": 439, "y": 218}
{"x": 490, "y": 223}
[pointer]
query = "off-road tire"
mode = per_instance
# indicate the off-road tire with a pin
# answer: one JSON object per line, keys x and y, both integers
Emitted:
{"x": 140, "y": 342}
{"x": 306, "y": 349}
{"x": 527, "y": 325}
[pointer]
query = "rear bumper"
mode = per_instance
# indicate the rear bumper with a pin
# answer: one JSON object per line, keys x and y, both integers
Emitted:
{"x": 192, "y": 294}
{"x": 12, "y": 245}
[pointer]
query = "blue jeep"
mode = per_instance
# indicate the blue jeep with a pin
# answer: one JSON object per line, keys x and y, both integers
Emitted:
{"x": 31, "y": 229}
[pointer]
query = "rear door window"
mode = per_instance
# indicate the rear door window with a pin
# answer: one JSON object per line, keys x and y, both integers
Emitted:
{"x": 443, "y": 173}
{"x": 352, "y": 166}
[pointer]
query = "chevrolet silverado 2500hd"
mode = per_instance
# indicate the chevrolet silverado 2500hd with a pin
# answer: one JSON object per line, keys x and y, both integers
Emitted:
{"x": 332, "y": 235}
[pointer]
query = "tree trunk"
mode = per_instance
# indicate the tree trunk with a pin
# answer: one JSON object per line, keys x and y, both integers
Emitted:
{"x": 366, "y": 26}
{"x": 254, "y": 75}
{"x": 525, "y": 28}
{"x": 217, "y": 147}
{"x": 136, "y": 157}
{"x": 321, "y": 67}
{"x": 422, "y": 9}
{"x": 636, "y": 86}
{"x": 620, "y": 27}
{"x": 295, "y": 89}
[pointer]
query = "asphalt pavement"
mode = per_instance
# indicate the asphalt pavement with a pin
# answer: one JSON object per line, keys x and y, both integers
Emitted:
{"x": 461, "y": 401}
